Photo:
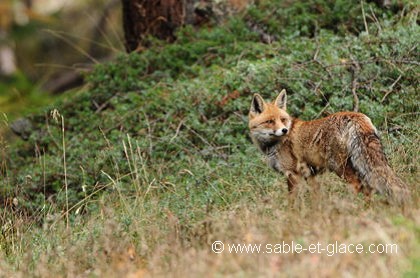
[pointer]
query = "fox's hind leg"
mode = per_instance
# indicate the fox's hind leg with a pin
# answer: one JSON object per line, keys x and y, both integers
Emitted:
{"x": 352, "y": 178}
{"x": 350, "y": 175}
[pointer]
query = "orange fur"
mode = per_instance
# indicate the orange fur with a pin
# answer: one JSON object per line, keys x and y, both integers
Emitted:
{"x": 345, "y": 143}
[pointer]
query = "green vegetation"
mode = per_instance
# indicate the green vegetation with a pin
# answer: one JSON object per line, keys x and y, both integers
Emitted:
{"x": 140, "y": 172}
{"x": 20, "y": 96}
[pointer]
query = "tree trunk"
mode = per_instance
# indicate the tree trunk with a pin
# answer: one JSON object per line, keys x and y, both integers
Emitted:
{"x": 158, "y": 18}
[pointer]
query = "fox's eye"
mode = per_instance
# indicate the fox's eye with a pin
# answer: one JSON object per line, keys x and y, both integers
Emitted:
{"x": 269, "y": 122}
{"x": 283, "y": 119}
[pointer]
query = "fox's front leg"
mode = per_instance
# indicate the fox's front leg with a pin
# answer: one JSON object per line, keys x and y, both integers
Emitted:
{"x": 316, "y": 188}
{"x": 309, "y": 173}
{"x": 293, "y": 180}
{"x": 314, "y": 184}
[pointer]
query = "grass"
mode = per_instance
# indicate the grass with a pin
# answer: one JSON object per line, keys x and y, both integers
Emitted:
{"x": 162, "y": 228}
{"x": 151, "y": 163}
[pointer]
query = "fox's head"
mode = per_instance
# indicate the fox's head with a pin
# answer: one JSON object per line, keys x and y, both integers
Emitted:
{"x": 269, "y": 121}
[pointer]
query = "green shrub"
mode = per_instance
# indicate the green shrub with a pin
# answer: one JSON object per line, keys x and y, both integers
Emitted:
{"x": 184, "y": 105}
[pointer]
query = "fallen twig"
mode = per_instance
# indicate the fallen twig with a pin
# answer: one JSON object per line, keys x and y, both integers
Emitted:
{"x": 390, "y": 88}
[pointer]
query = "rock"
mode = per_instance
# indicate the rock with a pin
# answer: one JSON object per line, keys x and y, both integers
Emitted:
{"x": 22, "y": 128}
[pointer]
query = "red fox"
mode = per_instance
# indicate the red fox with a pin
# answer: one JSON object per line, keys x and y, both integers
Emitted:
{"x": 345, "y": 143}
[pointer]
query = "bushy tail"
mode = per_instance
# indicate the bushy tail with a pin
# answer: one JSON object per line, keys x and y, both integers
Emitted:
{"x": 368, "y": 159}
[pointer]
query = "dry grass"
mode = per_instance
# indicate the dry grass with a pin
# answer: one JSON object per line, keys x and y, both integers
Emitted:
{"x": 149, "y": 233}
{"x": 135, "y": 236}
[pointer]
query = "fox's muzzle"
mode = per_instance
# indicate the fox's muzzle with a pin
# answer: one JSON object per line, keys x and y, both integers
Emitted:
{"x": 280, "y": 132}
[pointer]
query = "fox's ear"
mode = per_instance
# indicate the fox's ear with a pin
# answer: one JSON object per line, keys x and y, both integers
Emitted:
{"x": 281, "y": 100}
{"x": 257, "y": 104}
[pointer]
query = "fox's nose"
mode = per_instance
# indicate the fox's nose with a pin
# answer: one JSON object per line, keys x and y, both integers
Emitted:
{"x": 280, "y": 132}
